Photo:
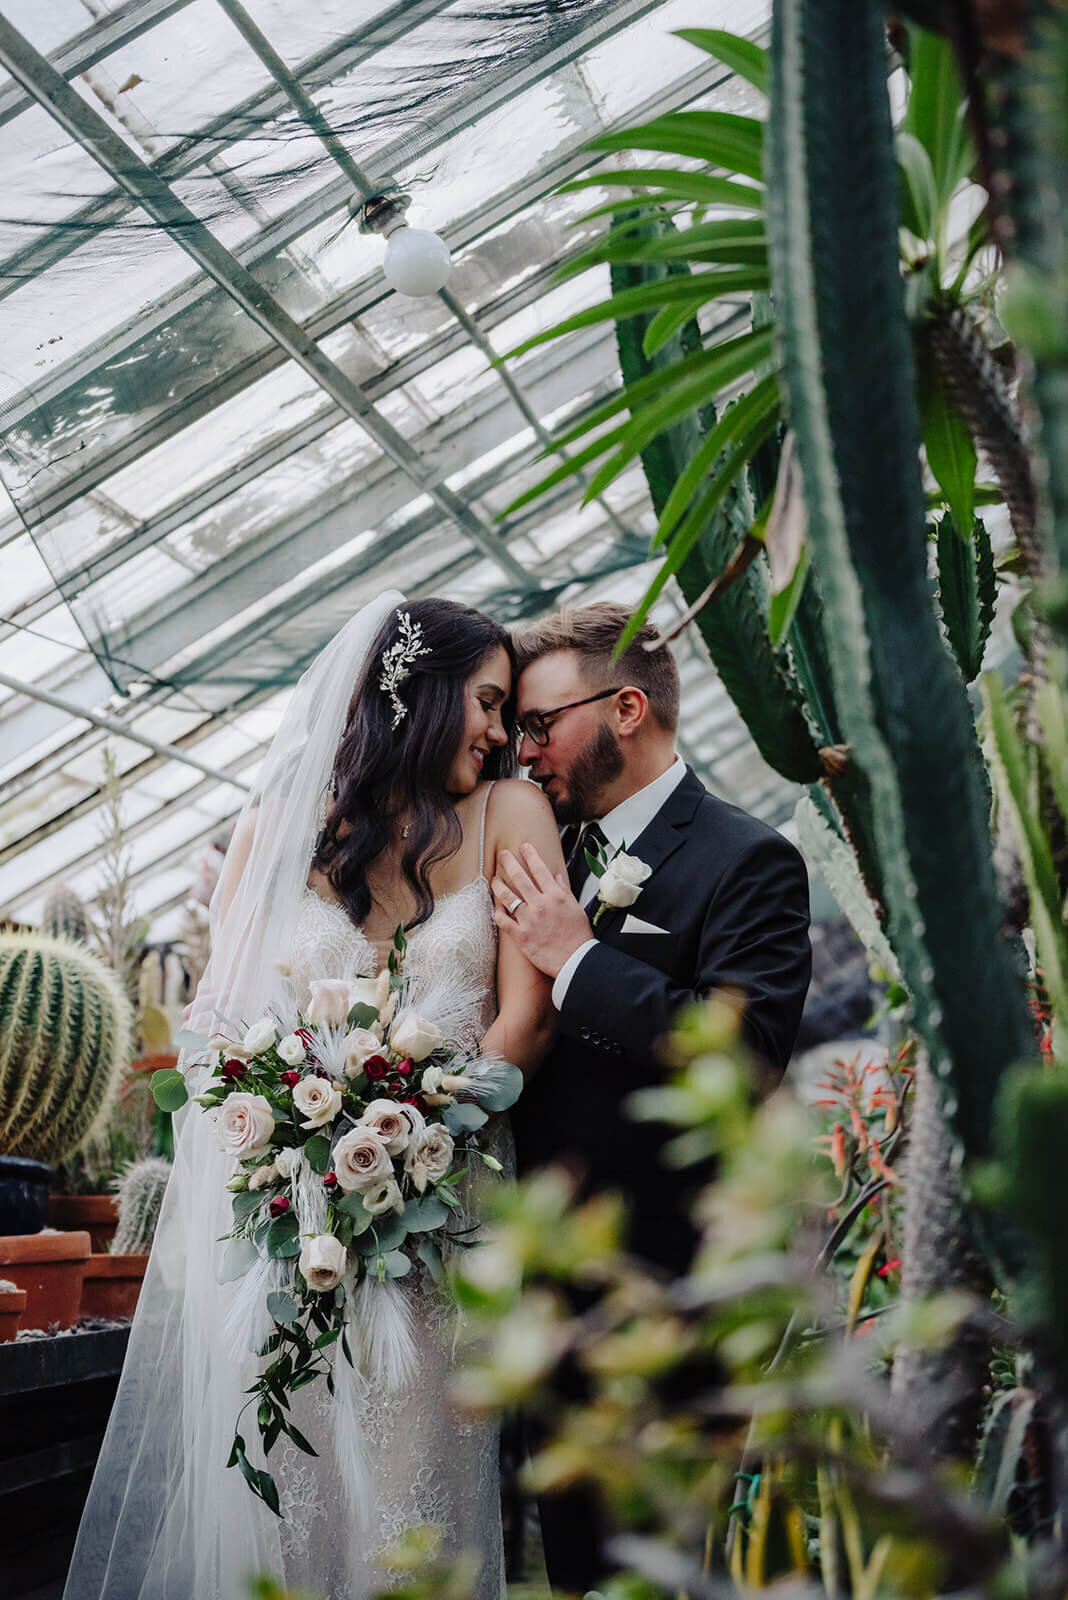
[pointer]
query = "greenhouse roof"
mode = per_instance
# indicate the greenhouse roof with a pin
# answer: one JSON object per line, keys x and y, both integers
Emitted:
{"x": 223, "y": 431}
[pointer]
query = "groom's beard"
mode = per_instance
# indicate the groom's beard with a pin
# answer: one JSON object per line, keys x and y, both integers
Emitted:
{"x": 598, "y": 763}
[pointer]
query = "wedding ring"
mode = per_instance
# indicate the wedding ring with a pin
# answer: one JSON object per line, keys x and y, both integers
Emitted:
{"x": 514, "y": 907}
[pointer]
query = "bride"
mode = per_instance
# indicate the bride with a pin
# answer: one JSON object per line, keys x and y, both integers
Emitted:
{"x": 383, "y": 800}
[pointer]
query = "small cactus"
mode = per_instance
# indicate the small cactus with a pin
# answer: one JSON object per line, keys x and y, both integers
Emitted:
{"x": 140, "y": 1190}
{"x": 65, "y": 1037}
{"x": 64, "y": 915}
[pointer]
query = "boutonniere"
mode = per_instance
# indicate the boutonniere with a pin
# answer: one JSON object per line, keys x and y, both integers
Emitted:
{"x": 620, "y": 877}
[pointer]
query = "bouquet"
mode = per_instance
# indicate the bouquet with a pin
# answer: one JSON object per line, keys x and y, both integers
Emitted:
{"x": 350, "y": 1130}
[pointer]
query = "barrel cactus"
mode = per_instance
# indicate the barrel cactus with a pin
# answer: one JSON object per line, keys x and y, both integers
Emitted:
{"x": 65, "y": 1037}
{"x": 140, "y": 1190}
{"x": 64, "y": 915}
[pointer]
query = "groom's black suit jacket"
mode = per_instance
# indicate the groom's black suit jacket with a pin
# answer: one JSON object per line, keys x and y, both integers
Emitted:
{"x": 732, "y": 895}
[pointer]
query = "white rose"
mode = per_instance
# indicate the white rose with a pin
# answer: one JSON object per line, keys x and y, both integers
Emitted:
{"x": 260, "y": 1037}
{"x": 382, "y": 990}
{"x": 292, "y": 1050}
{"x": 263, "y": 1176}
{"x": 389, "y": 1119}
{"x": 365, "y": 992}
{"x": 383, "y": 1197}
{"x": 283, "y": 1161}
{"x": 622, "y": 882}
{"x": 331, "y": 1001}
{"x": 245, "y": 1124}
{"x": 413, "y": 1036}
{"x": 429, "y": 1158}
{"x": 359, "y": 1045}
{"x": 318, "y": 1101}
{"x": 416, "y": 1121}
{"x": 322, "y": 1261}
{"x": 431, "y": 1083}
{"x": 360, "y": 1159}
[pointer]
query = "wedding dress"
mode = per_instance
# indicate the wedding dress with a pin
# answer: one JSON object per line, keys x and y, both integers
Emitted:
{"x": 165, "y": 1519}
{"x": 430, "y": 1466}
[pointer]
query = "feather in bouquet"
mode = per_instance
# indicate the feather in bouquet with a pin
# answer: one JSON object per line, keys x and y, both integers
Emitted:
{"x": 351, "y": 1126}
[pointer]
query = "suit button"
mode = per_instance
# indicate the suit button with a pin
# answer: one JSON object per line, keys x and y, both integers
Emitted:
{"x": 617, "y": 1049}
{"x": 595, "y": 1038}
{"x": 584, "y": 1033}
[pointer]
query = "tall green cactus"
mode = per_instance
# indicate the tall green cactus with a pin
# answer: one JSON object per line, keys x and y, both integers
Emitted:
{"x": 65, "y": 1036}
{"x": 63, "y": 915}
{"x": 140, "y": 1190}
{"x": 833, "y": 215}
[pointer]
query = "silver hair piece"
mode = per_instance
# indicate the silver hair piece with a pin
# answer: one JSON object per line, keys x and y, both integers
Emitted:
{"x": 397, "y": 662}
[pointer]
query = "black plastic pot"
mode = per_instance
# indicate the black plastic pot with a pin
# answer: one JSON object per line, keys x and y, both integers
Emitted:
{"x": 24, "y": 1187}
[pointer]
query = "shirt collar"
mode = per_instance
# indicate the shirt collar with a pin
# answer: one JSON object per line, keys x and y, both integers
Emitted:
{"x": 633, "y": 815}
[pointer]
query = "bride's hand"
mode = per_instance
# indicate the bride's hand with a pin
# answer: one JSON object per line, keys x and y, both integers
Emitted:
{"x": 548, "y": 924}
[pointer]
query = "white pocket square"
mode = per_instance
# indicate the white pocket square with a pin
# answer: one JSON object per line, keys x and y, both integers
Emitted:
{"x": 636, "y": 925}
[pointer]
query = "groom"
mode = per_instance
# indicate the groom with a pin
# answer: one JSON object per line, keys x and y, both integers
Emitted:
{"x": 724, "y": 906}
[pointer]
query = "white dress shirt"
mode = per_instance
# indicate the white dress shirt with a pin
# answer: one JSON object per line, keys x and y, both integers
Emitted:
{"x": 621, "y": 828}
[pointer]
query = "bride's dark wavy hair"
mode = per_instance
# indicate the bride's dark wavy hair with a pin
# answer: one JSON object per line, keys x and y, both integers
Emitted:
{"x": 382, "y": 772}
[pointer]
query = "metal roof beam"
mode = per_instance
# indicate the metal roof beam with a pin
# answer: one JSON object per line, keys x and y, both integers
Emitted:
{"x": 80, "y": 120}
{"x": 113, "y": 32}
{"x": 197, "y": 149}
{"x": 217, "y": 490}
{"x": 566, "y": 163}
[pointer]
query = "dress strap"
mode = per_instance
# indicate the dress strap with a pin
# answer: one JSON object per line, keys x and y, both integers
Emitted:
{"x": 482, "y": 831}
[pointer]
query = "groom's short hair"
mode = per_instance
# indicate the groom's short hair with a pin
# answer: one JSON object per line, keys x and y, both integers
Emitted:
{"x": 592, "y": 632}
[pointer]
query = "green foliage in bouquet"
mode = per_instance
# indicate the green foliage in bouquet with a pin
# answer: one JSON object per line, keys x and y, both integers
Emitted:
{"x": 65, "y": 1039}
{"x": 351, "y": 1134}
{"x": 140, "y": 1193}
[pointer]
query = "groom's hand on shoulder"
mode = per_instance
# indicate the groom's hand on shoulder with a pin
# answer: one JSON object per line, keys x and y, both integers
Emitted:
{"x": 548, "y": 925}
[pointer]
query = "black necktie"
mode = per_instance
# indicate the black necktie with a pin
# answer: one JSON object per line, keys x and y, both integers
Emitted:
{"x": 575, "y": 844}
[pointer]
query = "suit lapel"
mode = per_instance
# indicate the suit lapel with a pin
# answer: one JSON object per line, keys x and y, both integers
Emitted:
{"x": 656, "y": 843}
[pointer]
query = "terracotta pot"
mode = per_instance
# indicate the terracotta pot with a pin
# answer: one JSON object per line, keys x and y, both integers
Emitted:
{"x": 12, "y": 1306}
{"x": 95, "y": 1214}
{"x": 50, "y": 1267}
{"x": 154, "y": 1063}
{"x": 112, "y": 1285}
{"x": 24, "y": 1186}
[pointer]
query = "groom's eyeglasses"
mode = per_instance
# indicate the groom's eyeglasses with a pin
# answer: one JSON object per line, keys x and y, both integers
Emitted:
{"x": 536, "y": 725}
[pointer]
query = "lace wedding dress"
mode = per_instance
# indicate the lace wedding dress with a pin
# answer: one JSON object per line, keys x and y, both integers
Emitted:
{"x": 430, "y": 1465}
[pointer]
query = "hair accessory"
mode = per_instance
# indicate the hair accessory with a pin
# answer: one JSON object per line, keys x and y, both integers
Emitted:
{"x": 397, "y": 663}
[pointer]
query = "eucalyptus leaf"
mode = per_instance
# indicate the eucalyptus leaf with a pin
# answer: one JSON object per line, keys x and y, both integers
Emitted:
{"x": 397, "y": 1264}
{"x": 169, "y": 1089}
{"x": 350, "y": 1205}
{"x": 282, "y": 1306}
{"x": 238, "y": 1257}
{"x": 283, "y": 1238}
{"x": 317, "y": 1152}
{"x": 362, "y": 1015}
{"x": 246, "y": 1202}
{"x": 387, "y": 1235}
{"x": 463, "y": 1118}
{"x": 421, "y": 1215}
{"x": 430, "y": 1256}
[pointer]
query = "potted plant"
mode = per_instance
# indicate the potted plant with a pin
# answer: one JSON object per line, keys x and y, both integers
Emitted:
{"x": 12, "y": 1305}
{"x": 65, "y": 1029}
{"x": 113, "y": 1282}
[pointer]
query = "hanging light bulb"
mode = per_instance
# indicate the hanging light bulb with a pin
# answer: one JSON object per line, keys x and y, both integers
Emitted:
{"x": 417, "y": 262}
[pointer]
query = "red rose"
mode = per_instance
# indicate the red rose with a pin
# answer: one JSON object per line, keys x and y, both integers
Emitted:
{"x": 404, "y": 1067}
{"x": 278, "y": 1206}
{"x": 307, "y": 1035}
{"x": 320, "y": 1072}
{"x": 291, "y": 1079}
{"x": 412, "y": 1100}
{"x": 233, "y": 1068}
{"x": 329, "y": 1180}
{"x": 376, "y": 1066}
